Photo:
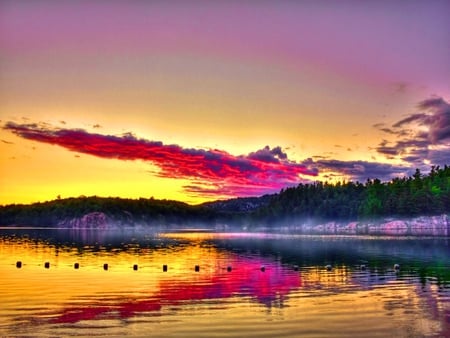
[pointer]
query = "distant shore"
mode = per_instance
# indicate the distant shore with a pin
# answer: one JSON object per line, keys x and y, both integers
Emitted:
{"x": 438, "y": 225}
{"x": 417, "y": 226}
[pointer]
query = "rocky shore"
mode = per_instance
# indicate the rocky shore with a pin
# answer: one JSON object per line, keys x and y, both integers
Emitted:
{"x": 418, "y": 226}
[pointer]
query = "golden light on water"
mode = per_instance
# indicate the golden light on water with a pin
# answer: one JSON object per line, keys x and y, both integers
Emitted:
{"x": 244, "y": 299}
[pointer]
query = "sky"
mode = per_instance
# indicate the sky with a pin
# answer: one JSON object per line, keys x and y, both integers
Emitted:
{"x": 205, "y": 100}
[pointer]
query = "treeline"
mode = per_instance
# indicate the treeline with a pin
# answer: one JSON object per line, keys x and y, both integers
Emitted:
{"x": 121, "y": 211}
{"x": 408, "y": 196}
{"x": 401, "y": 197}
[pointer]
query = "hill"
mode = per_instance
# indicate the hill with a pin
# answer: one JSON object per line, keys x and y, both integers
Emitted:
{"x": 418, "y": 195}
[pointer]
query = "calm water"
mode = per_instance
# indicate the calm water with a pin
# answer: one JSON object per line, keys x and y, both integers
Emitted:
{"x": 247, "y": 284}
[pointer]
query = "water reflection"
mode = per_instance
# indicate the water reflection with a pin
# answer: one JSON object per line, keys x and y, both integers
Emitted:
{"x": 282, "y": 274}
{"x": 246, "y": 280}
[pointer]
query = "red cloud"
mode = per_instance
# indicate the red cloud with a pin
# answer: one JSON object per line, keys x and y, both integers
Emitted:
{"x": 213, "y": 173}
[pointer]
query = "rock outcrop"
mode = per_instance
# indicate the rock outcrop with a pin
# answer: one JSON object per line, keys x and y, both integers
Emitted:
{"x": 92, "y": 220}
{"x": 419, "y": 226}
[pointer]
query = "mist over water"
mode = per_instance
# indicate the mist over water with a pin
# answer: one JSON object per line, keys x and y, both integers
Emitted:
{"x": 205, "y": 283}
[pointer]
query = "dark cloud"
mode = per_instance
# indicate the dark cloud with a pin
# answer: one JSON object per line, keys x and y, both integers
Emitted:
{"x": 416, "y": 159}
{"x": 436, "y": 118}
{"x": 363, "y": 170}
{"x": 388, "y": 130}
{"x": 439, "y": 156}
{"x": 7, "y": 142}
{"x": 388, "y": 151}
{"x": 392, "y": 131}
{"x": 433, "y": 103}
{"x": 266, "y": 154}
{"x": 409, "y": 119}
{"x": 419, "y": 142}
{"x": 420, "y": 134}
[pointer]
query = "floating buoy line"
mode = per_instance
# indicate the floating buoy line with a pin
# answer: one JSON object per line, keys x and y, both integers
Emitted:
{"x": 135, "y": 267}
{"x": 229, "y": 268}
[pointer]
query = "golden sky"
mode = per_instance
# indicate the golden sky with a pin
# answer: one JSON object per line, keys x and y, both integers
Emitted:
{"x": 219, "y": 100}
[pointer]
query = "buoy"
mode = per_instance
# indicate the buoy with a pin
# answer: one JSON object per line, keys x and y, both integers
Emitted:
{"x": 328, "y": 267}
{"x": 18, "y": 264}
{"x": 135, "y": 267}
{"x": 295, "y": 267}
{"x": 76, "y": 265}
{"x": 47, "y": 265}
{"x": 229, "y": 268}
{"x": 396, "y": 266}
{"x": 363, "y": 267}
{"x": 105, "y": 266}
{"x": 197, "y": 268}
{"x": 263, "y": 268}
{"x": 164, "y": 267}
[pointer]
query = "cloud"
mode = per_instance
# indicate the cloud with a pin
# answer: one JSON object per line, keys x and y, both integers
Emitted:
{"x": 362, "y": 170}
{"x": 422, "y": 137}
{"x": 388, "y": 151}
{"x": 268, "y": 155}
{"x": 435, "y": 118}
{"x": 439, "y": 156}
{"x": 210, "y": 172}
{"x": 409, "y": 119}
{"x": 419, "y": 140}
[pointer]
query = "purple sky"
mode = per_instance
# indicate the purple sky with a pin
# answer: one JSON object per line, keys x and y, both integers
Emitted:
{"x": 351, "y": 88}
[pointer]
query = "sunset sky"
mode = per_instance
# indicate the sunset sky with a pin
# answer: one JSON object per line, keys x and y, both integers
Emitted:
{"x": 203, "y": 100}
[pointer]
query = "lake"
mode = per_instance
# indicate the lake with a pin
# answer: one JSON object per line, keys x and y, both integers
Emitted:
{"x": 198, "y": 283}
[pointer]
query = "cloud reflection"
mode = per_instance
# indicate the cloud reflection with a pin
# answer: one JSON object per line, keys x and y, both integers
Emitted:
{"x": 269, "y": 287}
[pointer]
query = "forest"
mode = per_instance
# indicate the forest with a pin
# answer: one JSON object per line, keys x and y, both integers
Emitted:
{"x": 419, "y": 194}
{"x": 411, "y": 196}
{"x": 120, "y": 210}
